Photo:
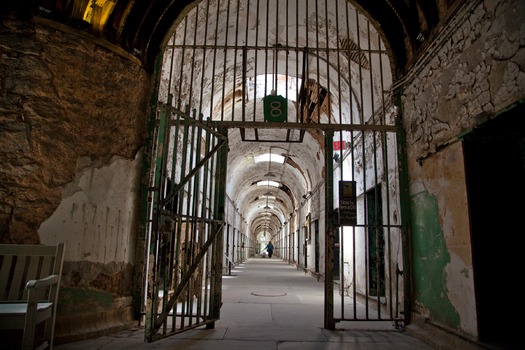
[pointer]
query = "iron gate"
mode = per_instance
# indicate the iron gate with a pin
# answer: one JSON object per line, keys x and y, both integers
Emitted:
{"x": 225, "y": 57}
{"x": 184, "y": 255}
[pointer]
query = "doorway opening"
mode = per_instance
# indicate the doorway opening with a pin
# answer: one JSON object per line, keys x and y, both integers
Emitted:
{"x": 495, "y": 175}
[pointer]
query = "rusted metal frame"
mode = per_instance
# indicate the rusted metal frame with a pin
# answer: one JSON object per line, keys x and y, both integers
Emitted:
{"x": 180, "y": 205}
{"x": 328, "y": 94}
{"x": 404, "y": 200}
{"x": 161, "y": 241}
{"x": 329, "y": 321}
{"x": 184, "y": 180}
{"x": 170, "y": 77}
{"x": 270, "y": 48}
{"x": 243, "y": 87}
{"x": 184, "y": 217}
{"x": 207, "y": 220}
{"x": 146, "y": 191}
{"x": 338, "y": 235}
{"x": 244, "y": 67}
{"x": 181, "y": 72}
{"x": 376, "y": 180}
{"x": 174, "y": 239}
{"x": 160, "y": 161}
{"x": 193, "y": 55}
{"x": 194, "y": 148}
{"x": 385, "y": 153}
{"x": 181, "y": 187}
{"x": 218, "y": 248}
{"x": 297, "y": 52}
{"x": 277, "y": 43}
{"x": 317, "y": 67}
{"x": 188, "y": 120}
{"x": 197, "y": 223}
{"x": 210, "y": 214}
{"x": 186, "y": 277}
{"x": 299, "y": 126}
{"x": 214, "y": 65}
{"x": 286, "y": 65}
{"x": 234, "y": 80}
{"x": 353, "y": 175}
{"x": 266, "y": 47}
{"x": 255, "y": 49}
{"x": 202, "y": 73}
{"x": 224, "y": 60}
{"x": 303, "y": 96}
{"x": 363, "y": 153}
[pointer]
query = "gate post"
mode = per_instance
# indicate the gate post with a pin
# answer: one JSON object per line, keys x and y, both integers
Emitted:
{"x": 218, "y": 246}
{"x": 329, "y": 322}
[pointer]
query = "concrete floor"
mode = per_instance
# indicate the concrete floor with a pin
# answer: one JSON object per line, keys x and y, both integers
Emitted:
{"x": 267, "y": 304}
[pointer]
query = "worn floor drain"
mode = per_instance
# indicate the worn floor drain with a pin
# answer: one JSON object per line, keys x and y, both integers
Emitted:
{"x": 269, "y": 294}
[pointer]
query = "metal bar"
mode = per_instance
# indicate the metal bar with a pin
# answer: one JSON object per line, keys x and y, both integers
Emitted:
{"x": 234, "y": 80}
{"x": 185, "y": 278}
{"x": 224, "y": 67}
{"x": 219, "y": 206}
{"x": 214, "y": 65}
{"x": 193, "y": 55}
{"x": 197, "y": 167}
{"x": 203, "y": 72}
{"x": 152, "y": 304}
{"x": 243, "y": 88}
{"x": 329, "y": 322}
{"x": 270, "y": 48}
{"x": 254, "y": 99}
{"x": 207, "y": 195}
{"x": 298, "y": 126}
{"x": 203, "y": 124}
{"x": 404, "y": 199}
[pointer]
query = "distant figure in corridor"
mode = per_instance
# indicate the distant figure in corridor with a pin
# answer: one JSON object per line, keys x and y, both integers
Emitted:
{"x": 269, "y": 248}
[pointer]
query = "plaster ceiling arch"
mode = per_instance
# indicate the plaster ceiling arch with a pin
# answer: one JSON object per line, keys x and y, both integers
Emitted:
{"x": 300, "y": 172}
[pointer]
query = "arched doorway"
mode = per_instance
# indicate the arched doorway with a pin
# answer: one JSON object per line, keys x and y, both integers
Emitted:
{"x": 241, "y": 86}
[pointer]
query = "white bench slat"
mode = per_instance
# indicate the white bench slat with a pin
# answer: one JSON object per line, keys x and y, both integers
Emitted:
{"x": 9, "y": 309}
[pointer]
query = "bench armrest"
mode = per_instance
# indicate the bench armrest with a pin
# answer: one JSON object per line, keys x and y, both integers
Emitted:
{"x": 44, "y": 282}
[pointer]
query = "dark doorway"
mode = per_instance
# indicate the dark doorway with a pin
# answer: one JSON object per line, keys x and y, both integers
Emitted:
{"x": 495, "y": 176}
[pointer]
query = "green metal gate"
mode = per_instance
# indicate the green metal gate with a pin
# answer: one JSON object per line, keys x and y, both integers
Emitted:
{"x": 185, "y": 215}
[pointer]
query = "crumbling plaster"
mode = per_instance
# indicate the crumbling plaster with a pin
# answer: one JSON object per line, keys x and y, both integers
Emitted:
{"x": 476, "y": 72}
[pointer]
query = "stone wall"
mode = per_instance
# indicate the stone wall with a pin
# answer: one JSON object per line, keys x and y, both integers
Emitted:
{"x": 73, "y": 120}
{"x": 474, "y": 71}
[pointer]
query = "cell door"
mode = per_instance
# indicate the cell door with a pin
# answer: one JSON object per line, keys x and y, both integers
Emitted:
{"x": 184, "y": 234}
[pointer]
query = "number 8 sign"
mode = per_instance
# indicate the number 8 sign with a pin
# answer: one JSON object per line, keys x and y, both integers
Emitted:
{"x": 275, "y": 108}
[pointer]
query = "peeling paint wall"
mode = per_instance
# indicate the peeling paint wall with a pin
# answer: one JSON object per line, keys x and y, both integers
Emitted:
{"x": 97, "y": 219}
{"x": 474, "y": 72}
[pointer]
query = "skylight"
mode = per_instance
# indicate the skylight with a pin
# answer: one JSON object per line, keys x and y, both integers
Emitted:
{"x": 277, "y": 158}
{"x": 265, "y": 83}
{"x": 268, "y": 183}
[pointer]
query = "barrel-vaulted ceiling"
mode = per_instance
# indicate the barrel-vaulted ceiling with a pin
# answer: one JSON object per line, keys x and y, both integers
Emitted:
{"x": 140, "y": 26}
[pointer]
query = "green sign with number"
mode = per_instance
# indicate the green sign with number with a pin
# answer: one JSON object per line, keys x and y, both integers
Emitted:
{"x": 275, "y": 108}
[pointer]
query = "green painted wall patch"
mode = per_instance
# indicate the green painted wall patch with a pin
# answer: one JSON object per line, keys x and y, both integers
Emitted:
{"x": 430, "y": 258}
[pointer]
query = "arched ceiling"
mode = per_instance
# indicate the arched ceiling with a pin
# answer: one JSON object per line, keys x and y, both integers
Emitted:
{"x": 140, "y": 26}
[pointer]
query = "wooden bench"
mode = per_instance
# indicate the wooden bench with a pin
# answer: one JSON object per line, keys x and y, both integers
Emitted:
{"x": 29, "y": 283}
